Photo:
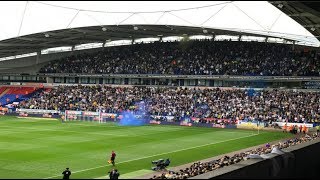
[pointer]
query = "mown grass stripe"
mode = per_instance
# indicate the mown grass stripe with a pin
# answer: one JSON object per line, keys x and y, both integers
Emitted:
{"x": 195, "y": 147}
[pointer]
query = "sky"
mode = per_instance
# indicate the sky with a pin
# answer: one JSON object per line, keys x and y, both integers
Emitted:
{"x": 27, "y": 17}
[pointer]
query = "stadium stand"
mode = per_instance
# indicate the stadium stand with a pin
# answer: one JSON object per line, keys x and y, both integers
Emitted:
{"x": 17, "y": 94}
{"x": 233, "y": 104}
{"x": 194, "y": 58}
{"x": 204, "y": 167}
{"x": 81, "y": 53}
{"x": 3, "y": 90}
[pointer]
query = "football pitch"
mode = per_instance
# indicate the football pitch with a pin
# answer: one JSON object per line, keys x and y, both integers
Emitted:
{"x": 42, "y": 148}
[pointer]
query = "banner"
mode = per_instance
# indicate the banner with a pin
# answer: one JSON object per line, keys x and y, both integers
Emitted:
{"x": 108, "y": 115}
{"x": 88, "y": 113}
{"x": 211, "y": 119}
{"x": 154, "y": 122}
{"x": 15, "y": 83}
{"x": 71, "y": 117}
{"x": 37, "y": 111}
{"x": 48, "y": 84}
{"x": 47, "y": 116}
{"x": 218, "y": 126}
{"x": 250, "y": 125}
{"x": 168, "y": 118}
{"x": 281, "y": 124}
{"x": 74, "y": 112}
{"x": 33, "y": 84}
{"x": 185, "y": 124}
{"x": 23, "y": 114}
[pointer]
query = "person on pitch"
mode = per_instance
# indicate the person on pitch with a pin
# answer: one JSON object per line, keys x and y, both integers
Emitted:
{"x": 66, "y": 173}
{"x": 112, "y": 159}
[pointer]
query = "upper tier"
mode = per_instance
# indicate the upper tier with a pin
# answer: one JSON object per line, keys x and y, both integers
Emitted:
{"x": 194, "y": 58}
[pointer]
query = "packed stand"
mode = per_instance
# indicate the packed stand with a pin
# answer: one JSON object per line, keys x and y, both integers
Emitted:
{"x": 193, "y": 58}
{"x": 204, "y": 167}
{"x": 266, "y": 106}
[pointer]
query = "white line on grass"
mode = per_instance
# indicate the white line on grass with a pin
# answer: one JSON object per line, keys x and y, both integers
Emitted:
{"x": 115, "y": 125}
{"x": 126, "y": 132}
{"x": 46, "y": 129}
{"x": 45, "y": 119}
{"x": 158, "y": 154}
{"x": 130, "y": 174}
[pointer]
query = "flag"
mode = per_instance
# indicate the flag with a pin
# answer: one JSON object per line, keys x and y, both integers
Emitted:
{"x": 109, "y": 161}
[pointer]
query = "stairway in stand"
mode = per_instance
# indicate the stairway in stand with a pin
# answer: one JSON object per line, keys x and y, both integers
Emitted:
{"x": 3, "y": 91}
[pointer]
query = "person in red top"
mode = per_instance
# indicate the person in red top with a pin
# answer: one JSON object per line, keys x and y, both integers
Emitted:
{"x": 304, "y": 129}
{"x": 113, "y": 157}
{"x": 285, "y": 127}
{"x": 300, "y": 128}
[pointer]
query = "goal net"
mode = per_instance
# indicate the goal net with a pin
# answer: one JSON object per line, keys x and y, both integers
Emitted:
{"x": 82, "y": 116}
{"x": 89, "y": 116}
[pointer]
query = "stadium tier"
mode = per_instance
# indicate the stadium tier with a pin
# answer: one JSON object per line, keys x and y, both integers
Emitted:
{"x": 194, "y": 58}
{"x": 15, "y": 94}
{"x": 193, "y": 103}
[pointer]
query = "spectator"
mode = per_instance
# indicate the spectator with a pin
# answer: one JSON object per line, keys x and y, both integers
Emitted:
{"x": 195, "y": 58}
{"x": 203, "y": 167}
{"x": 66, "y": 173}
{"x": 215, "y": 106}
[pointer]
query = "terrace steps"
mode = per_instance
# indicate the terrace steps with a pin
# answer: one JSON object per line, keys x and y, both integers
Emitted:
{"x": 4, "y": 92}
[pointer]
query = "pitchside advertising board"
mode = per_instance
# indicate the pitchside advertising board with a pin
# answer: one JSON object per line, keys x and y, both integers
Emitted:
{"x": 252, "y": 125}
{"x": 92, "y": 116}
{"x": 38, "y": 112}
{"x": 249, "y": 125}
{"x": 308, "y": 125}
{"x": 104, "y": 117}
{"x": 82, "y": 116}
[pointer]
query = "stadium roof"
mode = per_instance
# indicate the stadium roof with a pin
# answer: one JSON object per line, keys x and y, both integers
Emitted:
{"x": 305, "y": 13}
{"x": 32, "y": 26}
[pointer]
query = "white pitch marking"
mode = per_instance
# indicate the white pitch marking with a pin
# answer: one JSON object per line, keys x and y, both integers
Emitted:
{"x": 158, "y": 154}
{"x": 40, "y": 129}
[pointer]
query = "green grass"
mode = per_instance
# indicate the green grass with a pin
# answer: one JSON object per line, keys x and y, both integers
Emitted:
{"x": 33, "y": 148}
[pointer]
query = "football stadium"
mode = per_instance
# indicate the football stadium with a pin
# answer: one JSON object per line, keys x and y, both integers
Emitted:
{"x": 159, "y": 90}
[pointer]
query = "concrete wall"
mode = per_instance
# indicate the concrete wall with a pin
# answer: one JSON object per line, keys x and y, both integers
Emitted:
{"x": 301, "y": 161}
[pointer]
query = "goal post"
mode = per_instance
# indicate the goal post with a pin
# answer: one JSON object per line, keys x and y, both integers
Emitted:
{"x": 82, "y": 116}
{"x": 102, "y": 117}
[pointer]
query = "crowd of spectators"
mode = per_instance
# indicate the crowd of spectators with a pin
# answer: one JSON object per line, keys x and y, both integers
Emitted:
{"x": 193, "y": 58}
{"x": 233, "y": 104}
{"x": 204, "y": 167}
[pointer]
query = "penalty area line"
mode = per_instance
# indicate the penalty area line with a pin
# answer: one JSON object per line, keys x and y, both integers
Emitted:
{"x": 35, "y": 118}
{"x": 195, "y": 147}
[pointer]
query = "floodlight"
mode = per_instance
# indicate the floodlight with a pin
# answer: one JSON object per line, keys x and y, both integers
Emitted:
{"x": 280, "y": 5}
